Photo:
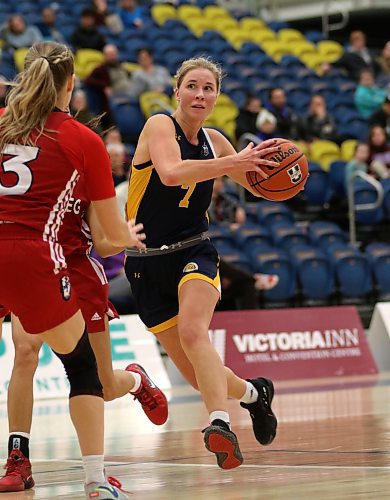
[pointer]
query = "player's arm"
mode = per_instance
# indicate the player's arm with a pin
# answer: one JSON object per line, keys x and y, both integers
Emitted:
{"x": 164, "y": 152}
{"x": 102, "y": 245}
{"x": 225, "y": 149}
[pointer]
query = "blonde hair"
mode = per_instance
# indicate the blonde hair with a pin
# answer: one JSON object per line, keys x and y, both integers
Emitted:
{"x": 199, "y": 62}
{"x": 34, "y": 93}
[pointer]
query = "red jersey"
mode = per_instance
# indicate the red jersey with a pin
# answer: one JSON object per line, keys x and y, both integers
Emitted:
{"x": 37, "y": 182}
{"x": 75, "y": 235}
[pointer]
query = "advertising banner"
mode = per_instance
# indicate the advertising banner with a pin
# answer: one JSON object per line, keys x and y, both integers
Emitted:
{"x": 130, "y": 343}
{"x": 298, "y": 343}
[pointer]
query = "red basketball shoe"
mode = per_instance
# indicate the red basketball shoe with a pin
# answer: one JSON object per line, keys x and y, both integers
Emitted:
{"x": 18, "y": 475}
{"x": 153, "y": 401}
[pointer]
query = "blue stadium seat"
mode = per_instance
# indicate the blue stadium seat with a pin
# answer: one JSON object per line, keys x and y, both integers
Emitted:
{"x": 337, "y": 178}
{"x": 252, "y": 236}
{"x": 386, "y": 202}
{"x": 326, "y": 234}
{"x": 316, "y": 190}
{"x": 352, "y": 272}
{"x": 366, "y": 193}
{"x": 271, "y": 212}
{"x": 236, "y": 258}
{"x": 314, "y": 272}
{"x": 379, "y": 256}
{"x": 287, "y": 235}
{"x": 221, "y": 235}
{"x": 277, "y": 261}
{"x": 128, "y": 118}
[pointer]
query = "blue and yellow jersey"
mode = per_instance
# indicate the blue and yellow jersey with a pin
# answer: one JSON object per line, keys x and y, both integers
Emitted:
{"x": 171, "y": 213}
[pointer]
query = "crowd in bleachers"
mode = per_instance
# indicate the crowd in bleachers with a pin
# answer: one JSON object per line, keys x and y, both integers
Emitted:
{"x": 333, "y": 100}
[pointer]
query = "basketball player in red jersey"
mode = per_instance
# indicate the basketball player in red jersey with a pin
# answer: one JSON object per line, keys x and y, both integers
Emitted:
{"x": 175, "y": 281}
{"x": 90, "y": 283}
{"x": 43, "y": 154}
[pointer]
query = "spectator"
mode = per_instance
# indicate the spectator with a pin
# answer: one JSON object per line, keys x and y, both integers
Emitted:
{"x": 86, "y": 35}
{"x": 48, "y": 26}
{"x": 356, "y": 58}
{"x": 255, "y": 119}
{"x": 80, "y": 111}
{"x": 17, "y": 34}
{"x": 318, "y": 124}
{"x": 246, "y": 119}
{"x": 286, "y": 121}
{"x": 116, "y": 153}
{"x": 359, "y": 162}
{"x": 3, "y": 91}
{"x": 379, "y": 157}
{"x": 130, "y": 14}
{"x": 149, "y": 76}
{"x": 104, "y": 17}
{"x": 225, "y": 209}
{"x": 368, "y": 97}
{"x": 110, "y": 79}
{"x": 383, "y": 62}
{"x": 382, "y": 116}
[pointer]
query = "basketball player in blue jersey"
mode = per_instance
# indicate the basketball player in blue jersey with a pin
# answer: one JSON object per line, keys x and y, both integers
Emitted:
{"x": 175, "y": 281}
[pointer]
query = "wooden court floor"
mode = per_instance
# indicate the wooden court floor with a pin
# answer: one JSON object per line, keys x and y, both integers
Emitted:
{"x": 333, "y": 443}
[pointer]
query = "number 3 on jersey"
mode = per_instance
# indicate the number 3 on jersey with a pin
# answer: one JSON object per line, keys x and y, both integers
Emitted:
{"x": 21, "y": 180}
{"x": 186, "y": 200}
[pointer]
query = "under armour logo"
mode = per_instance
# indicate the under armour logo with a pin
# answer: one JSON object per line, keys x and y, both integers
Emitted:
{"x": 137, "y": 275}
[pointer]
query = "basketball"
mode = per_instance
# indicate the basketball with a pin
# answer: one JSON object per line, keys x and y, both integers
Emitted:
{"x": 285, "y": 181}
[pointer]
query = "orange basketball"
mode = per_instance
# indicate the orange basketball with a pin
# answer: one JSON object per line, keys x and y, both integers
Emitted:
{"x": 284, "y": 181}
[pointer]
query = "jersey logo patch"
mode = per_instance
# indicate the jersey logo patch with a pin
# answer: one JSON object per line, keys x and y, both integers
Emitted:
{"x": 65, "y": 287}
{"x": 205, "y": 149}
{"x": 191, "y": 266}
{"x": 96, "y": 317}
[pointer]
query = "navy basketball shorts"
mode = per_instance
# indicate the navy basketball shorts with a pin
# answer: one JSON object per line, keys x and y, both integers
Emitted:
{"x": 156, "y": 280}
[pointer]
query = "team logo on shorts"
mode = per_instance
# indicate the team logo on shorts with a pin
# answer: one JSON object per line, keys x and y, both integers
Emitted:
{"x": 191, "y": 266}
{"x": 295, "y": 173}
{"x": 65, "y": 287}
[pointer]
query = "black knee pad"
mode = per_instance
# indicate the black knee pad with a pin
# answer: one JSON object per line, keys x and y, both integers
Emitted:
{"x": 81, "y": 369}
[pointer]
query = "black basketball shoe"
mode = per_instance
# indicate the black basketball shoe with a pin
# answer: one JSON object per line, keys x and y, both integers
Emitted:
{"x": 219, "y": 439}
{"x": 264, "y": 421}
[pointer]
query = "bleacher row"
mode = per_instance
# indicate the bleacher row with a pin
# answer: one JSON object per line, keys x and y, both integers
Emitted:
{"x": 314, "y": 262}
{"x": 254, "y": 55}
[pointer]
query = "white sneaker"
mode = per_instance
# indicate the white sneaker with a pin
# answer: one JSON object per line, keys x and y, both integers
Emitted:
{"x": 109, "y": 490}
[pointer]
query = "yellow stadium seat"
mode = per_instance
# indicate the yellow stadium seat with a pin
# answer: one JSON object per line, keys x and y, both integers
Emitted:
{"x": 216, "y": 12}
{"x": 225, "y": 100}
{"x": 290, "y": 35}
{"x": 324, "y": 152}
{"x": 347, "y": 149}
{"x": 197, "y": 25}
{"x": 262, "y": 35}
{"x": 276, "y": 49}
{"x": 19, "y": 57}
{"x": 251, "y": 24}
{"x": 225, "y": 24}
{"x": 162, "y": 12}
{"x": 303, "y": 147}
{"x": 301, "y": 47}
{"x": 313, "y": 61}
{"x": 153, "y": 102}
{"x": 187, "y": 11}
{"x": 330, "y": 50}
{"x": 130, "y": 67}
{"x": 236, "y": 37}
{"x": 86, "y": 60}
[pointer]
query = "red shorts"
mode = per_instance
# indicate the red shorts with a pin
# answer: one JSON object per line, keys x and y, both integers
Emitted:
{"x": 90, "y": 284}
{"x": 3, "y": 312}
{"x": 29, "y": 287}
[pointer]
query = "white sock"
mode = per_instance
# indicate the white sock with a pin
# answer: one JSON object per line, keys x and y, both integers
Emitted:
{"x": 220, "y": 415}
{"x": 250, "y": 394}
{"x": 137, "y": 382}
{"x": 94, "y": 468}
{"x": 24, "y": 434}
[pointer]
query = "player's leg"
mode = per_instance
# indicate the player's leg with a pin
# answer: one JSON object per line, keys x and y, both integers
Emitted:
{"x": 18, "y": 476}
{"x": 197, "y": 300}
{"x": 255, "y": 395}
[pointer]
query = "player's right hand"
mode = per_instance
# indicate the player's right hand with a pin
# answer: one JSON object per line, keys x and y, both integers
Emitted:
{"x": 252, "y": 158}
